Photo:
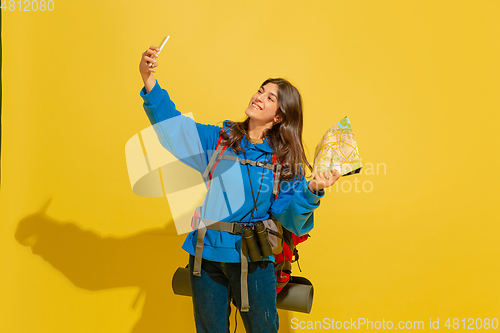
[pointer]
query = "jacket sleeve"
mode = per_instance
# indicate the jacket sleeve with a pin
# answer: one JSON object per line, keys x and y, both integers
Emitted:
{"x": 190, "y": 142}
{"x": 295, "y": 205}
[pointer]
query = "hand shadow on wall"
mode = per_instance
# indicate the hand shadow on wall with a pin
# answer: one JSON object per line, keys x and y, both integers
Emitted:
{"x": 146, "y": 260}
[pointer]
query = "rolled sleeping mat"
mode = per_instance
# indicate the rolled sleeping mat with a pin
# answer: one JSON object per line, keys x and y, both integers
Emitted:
{"x": 297, "y": 295}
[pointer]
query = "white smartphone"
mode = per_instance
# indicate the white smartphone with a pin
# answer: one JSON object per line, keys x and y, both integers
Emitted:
{"x": 163, "y": 42}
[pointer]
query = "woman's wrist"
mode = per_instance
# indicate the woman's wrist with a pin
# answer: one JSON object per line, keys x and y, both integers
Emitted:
{"x": 312, "y": 189}
{"x": 149, "y": 81}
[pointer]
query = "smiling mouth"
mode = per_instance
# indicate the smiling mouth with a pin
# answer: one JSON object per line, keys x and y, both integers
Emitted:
{"x": 256, "y": 106}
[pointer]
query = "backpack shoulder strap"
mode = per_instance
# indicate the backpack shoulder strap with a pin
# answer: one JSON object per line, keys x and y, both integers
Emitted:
{"x": 277, "y": 173}
{"x": 219, "y": 150}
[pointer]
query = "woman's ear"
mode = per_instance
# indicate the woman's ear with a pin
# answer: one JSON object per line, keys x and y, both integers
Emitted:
{"x": 277, "y": 119}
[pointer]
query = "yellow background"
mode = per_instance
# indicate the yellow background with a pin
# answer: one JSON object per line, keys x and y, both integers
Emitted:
{"x": 419, "y": 81}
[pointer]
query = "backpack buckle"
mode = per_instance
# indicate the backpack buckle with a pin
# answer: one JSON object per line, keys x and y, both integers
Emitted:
{"x": 260, "y": 164}
{"x": 237, "y": 228}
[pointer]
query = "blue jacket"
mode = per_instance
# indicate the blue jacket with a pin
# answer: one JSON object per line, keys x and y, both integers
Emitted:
{"x": 229, "y": 196}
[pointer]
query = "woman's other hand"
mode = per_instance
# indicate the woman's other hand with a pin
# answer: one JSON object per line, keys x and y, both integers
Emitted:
{"x": 323, "y": 180}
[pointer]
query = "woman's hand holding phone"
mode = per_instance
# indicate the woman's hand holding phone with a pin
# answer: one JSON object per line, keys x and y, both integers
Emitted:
{"x": 147, "y": 70}
{"x": 148, "y": 64}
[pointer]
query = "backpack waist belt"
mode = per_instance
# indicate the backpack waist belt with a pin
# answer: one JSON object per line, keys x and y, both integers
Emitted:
{"x": 234, "y": 228}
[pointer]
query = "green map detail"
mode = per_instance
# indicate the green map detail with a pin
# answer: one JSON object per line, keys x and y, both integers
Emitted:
{"x": 345, "y": 122}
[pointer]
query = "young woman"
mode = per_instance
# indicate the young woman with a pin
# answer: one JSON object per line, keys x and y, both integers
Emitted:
{"x": 239, "y": 192}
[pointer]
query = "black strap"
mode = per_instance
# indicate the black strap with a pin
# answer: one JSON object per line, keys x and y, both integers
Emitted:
{"x": 251, "y": 186}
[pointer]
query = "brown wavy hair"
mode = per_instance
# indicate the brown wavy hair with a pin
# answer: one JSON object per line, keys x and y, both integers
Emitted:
{"x": 285, "y": 137}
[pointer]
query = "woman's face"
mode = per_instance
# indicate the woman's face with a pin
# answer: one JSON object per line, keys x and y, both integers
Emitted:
{"x": 263, "y": 105}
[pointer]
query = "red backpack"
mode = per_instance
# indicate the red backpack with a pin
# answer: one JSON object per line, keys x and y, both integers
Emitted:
{"x": 283, "y": 262}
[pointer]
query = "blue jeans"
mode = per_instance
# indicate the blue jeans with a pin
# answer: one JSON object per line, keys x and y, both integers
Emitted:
{"x": 219, "y": 281}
